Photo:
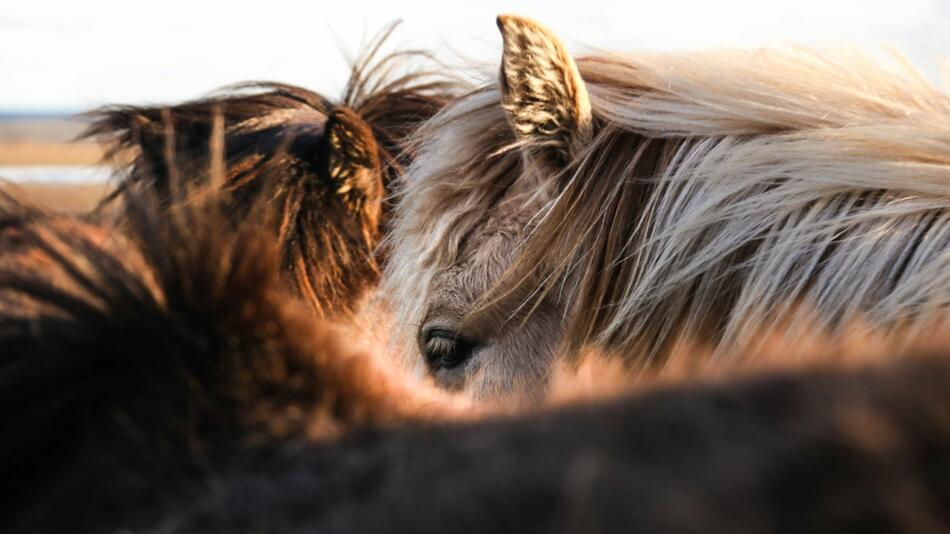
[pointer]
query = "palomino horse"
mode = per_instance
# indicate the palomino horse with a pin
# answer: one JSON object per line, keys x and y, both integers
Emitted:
{"x": 326, "y": 164}
{"x": 624, "y": 201}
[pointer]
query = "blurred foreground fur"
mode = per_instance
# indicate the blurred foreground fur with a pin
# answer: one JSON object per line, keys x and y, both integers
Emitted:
{"x": 164, "y": 381}
{"x": 176, "y": 340}
{"x": 324, "y": 165}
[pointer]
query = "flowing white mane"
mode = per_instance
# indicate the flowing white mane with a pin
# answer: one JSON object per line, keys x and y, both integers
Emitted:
{"x": 777, "y": 184}
{"x": 839, "y": 166}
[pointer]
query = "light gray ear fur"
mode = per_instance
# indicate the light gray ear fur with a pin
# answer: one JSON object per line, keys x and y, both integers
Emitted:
{"x": 543, "y": 94}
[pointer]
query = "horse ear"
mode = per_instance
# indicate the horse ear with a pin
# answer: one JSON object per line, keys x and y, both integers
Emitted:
{"x": 542, "y": 91}
{"x": 352, "y": 156}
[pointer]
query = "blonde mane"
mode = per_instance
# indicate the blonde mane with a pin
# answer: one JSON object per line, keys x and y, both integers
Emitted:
{"x": 720, "y": 192}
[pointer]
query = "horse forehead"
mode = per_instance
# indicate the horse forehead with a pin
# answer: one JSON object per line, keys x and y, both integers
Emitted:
{"x": 490, "y": 242}
{"x": 483, "y": 256}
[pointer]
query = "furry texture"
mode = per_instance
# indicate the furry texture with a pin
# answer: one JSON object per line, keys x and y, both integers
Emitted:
{"x": 175, "y": 341}
{"x": 164, "y": 381}
{"x": 324, "y": 164}
{"x": 542, "y": 92}
{"x": 720, "y": 192}
{"x": 820, "y": 451}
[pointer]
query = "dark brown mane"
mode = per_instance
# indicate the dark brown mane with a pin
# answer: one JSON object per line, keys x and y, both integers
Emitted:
{"x": 275, "y": 134}
{"x": 395, "y": 100}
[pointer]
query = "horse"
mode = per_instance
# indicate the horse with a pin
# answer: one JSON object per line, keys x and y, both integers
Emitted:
{"x": 627, "y": 201}
{"x": 326, "y": 163}
{"x": 311, "y": 439}
{"x": 172, "y": 339}
{"x": 165, "y": 379}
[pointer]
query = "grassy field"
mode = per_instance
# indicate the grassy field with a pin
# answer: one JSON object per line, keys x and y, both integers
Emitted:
{"x": 45, "y": 141}
{"x": 48, "y": 153}
{"x": 49, "y": 141}
{"x": 71, "y": 198}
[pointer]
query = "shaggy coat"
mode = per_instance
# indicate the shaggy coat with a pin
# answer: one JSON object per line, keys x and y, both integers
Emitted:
{"x": 166, "y": 382}
{"x": 625, "y": 201}
{"x": 175, "y": 341}
{"x": 324, "y": 164}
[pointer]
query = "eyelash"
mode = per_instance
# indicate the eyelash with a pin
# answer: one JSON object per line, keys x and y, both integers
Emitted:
{"x": 446, "y": 350}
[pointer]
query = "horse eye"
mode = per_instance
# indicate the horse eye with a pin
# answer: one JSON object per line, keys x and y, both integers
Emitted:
{"x": 445, "y": 349}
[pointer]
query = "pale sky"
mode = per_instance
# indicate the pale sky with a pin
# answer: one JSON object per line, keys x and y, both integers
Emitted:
{"x": 75, "y": 54}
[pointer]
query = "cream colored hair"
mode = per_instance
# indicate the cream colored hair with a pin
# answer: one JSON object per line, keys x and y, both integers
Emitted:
{"x": 715, "y": 194}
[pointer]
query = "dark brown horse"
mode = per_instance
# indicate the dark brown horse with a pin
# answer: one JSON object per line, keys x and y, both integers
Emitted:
{"x": 325, "y": 164}
{"x": 165, "y": 380}
{"x": 170, "y": 340}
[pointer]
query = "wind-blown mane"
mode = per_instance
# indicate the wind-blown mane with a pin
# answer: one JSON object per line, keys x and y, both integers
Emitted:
{"x": 712, "y": 195}
{"x": 330, "y": 161}
{"x": 788, "y": 178}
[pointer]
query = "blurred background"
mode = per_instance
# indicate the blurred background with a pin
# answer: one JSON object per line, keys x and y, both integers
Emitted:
{"x": 59, "y": 58}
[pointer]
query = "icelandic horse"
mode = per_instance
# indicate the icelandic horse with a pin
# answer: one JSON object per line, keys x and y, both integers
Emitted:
{"x": 326, "y": 164}
{"x": 625, "y": 202}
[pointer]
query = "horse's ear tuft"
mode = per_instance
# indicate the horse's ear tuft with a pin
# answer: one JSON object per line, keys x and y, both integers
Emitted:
{"x": 542, "y": 91}
{"x": 352, "y": 156}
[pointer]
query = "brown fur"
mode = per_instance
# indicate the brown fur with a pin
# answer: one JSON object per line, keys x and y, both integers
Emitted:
{"x": 325, "y": 164}
{"x": 179, "y": 338}
{"x": 820, "y": 451}
{"x": 167, "y": 382}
